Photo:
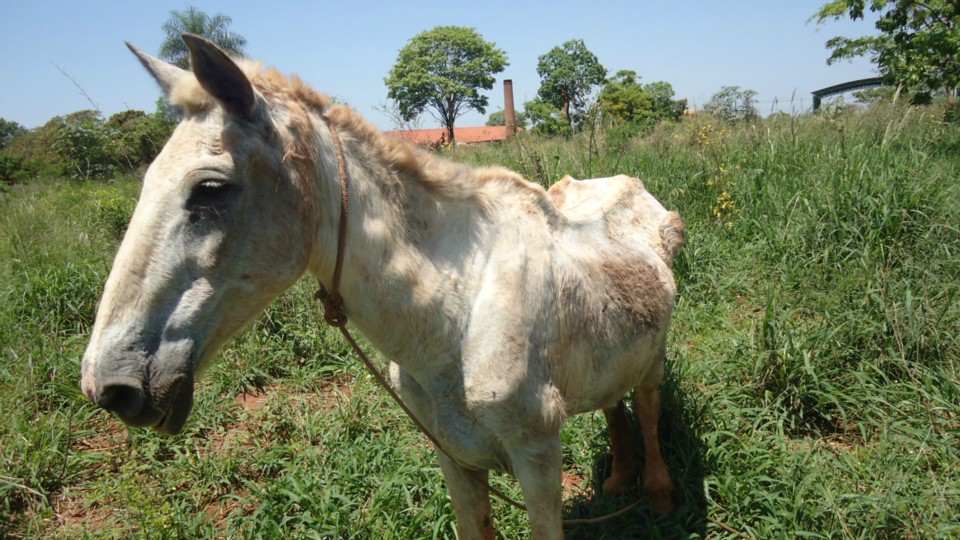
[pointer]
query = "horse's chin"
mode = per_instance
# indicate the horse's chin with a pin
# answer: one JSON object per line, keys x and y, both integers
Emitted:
{"x": 179, "y": 405}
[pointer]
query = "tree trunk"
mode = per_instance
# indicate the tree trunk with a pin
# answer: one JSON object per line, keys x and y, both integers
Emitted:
{"x": 566, "y": 112}
{"x": 448, "y": 135}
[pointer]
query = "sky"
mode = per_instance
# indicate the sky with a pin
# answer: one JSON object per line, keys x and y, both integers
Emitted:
{"x": 59, "y": 56}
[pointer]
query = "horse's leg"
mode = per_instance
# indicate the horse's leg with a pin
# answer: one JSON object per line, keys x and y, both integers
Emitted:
{"x": 625, "y": 466}
{"x": 538, "y": 465}
{"x": 471, "y": 504}
{"x": 656, "y": 476}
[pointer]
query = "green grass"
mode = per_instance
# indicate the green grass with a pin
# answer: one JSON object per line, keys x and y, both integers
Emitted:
{"x": 813, "y": 386}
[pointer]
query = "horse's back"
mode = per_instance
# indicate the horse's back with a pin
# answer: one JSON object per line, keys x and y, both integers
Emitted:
{"x": 623, "y": 209}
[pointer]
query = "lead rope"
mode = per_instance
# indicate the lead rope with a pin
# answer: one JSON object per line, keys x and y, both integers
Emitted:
{"x": 334, "y": 315}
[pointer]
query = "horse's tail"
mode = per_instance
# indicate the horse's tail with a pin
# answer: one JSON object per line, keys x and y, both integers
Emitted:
{"x": 672, "y": 232}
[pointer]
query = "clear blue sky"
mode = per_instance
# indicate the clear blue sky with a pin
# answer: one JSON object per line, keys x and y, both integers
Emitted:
{"x": 346, "y": 49}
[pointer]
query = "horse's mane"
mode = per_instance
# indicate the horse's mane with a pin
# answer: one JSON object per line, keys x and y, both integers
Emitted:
{"x": 438, "y": 175}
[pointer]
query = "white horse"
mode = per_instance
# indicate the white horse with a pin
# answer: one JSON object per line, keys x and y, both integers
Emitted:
{"x": 505, "y": 308}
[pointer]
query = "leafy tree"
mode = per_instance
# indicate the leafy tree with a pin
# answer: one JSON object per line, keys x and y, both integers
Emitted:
{"x": 664, "y": 106}
{"x": 442, "y": 71}
{"x": 568, "y": 73}
{"x": 138, "y": 136}
{"x": 732, "y": 103}
{"x": 624, "y": 99}
{"x": 918, "y": 46}
{"x": 546, "y": 118}
{"x": 499, "y": 118}
{"x": 85, "y": 146}
{"x": 194, "y": 21}
{"x": 15, "y": 170}
{"x": 36, "y": 146}
{"x": 9, "y": 130}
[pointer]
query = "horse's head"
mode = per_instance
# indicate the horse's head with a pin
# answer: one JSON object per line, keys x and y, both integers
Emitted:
{"x": 221, "y": 228}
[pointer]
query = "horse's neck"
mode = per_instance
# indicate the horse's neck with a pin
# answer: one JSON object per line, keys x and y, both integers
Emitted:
{"x": 391, "y": 282}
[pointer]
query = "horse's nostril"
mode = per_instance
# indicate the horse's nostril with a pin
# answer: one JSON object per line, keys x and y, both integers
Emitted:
{"x": 122, "y": 399}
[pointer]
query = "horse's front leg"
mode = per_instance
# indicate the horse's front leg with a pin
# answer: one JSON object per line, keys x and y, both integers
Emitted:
{"x": 538, "y": 465}
{"x": 471, "y": 503}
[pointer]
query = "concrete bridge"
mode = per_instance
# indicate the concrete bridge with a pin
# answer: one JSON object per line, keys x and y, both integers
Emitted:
{"x": 844, "y": 87}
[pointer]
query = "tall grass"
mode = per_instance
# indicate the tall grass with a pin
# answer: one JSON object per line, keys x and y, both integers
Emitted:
{"x": 813, "y": 385}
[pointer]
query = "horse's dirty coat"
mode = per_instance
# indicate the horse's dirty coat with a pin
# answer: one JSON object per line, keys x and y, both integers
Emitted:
{"x": 505, "y": 308}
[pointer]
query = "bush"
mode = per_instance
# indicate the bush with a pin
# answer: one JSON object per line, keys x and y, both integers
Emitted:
{"x": 16, "y": 170}
{"x": 86, "y": 146}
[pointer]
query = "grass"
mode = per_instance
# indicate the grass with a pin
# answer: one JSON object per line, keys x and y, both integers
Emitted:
{"x": 813, "y": 386}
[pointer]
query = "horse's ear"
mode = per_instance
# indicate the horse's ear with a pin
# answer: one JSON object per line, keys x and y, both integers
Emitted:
{"x": 166, "y": 75}
{"x": 221, "y": 76}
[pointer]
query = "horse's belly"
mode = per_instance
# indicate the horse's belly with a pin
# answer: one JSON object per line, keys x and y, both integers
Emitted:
{"x": 594, "y": 377}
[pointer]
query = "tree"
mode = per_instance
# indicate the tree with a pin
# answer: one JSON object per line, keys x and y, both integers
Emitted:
{"x": 194, "y": 21}
{"x": 442, "y": 71}
{"x": 9, "y": 130}
{"x": 499, "y": 118}
{"x": 545, "y": 117}
{"x": 568, "y": 73}
{"x": 85, "y": 145}
{"x": 918, "y": 46}
{"x": 664, "y": 106}
{"x": 625, "y": 100}
{"x": 732, "y": 103}
{"x": 138, "y": 137}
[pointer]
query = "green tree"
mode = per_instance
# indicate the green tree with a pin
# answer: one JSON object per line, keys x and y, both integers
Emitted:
{"x": 36, "y": 146}
{"x": 194, "y": 21}
{"x": 442, "y": 71}
{"x": 732, "y": 103}
{"x": 138, "y": 136}
{"x": 545, "y": 117}
{"x": 9, "y": 130}
{"x": 86, "y": 146}
{"x": 918, "y": 46}
{"x": 664, "y": 106}
{"x": 499, "y": 118}
{"x": 624, "y": 99}
{"x": 568, "y": 73}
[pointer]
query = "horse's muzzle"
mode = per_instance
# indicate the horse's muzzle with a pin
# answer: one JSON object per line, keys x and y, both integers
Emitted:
{"x": 164, "y": 405}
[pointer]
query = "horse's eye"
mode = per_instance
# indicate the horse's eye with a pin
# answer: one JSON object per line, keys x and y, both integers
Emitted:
{"x": 209, "y": 193}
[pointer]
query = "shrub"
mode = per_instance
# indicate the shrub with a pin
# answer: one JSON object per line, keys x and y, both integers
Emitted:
{"x": 85, "y": 145}
{"x": 16, "y": 170}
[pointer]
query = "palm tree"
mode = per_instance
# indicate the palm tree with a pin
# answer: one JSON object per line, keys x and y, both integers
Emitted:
{"x": 194, "y": 21}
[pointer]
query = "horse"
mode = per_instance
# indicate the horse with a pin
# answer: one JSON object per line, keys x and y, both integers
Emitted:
{"x": 504, "y": 308}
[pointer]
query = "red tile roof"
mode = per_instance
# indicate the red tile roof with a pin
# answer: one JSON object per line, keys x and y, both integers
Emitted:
{"x": 427, "y": 137}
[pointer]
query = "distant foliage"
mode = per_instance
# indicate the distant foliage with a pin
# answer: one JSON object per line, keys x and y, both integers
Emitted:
{"x": 16, "y": 170}
{"x": 499, "y": 118}
{"x": 625, "y": 100}
{"x": 140, "y": 136}
{"x": 86, "y": 146}
{"x": 917, "y": 47}
{"x": 9, "y": 130}
{"x": 442, "y": 71}
{"x": 546, "y": 118}
{"x": 568, "y": 74}
{"x": 83, "y": 145}
{"x": 733, "y": 103}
